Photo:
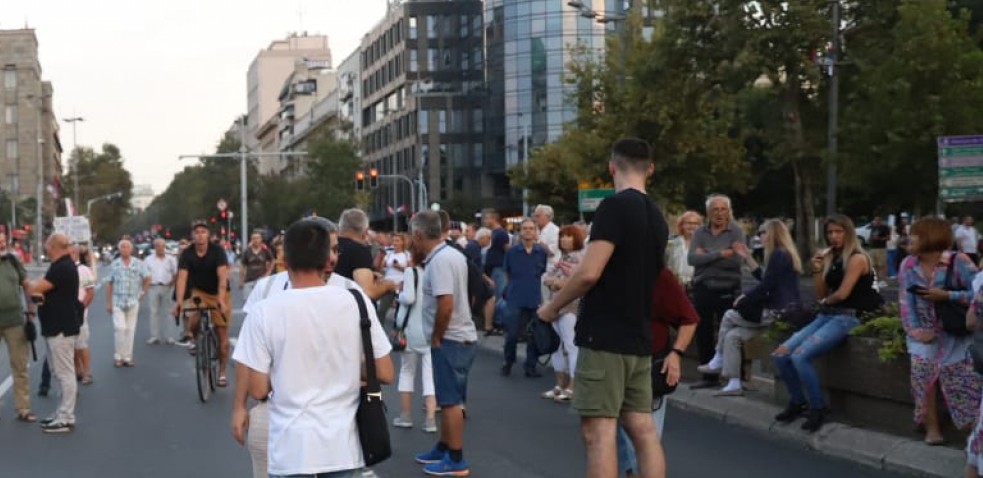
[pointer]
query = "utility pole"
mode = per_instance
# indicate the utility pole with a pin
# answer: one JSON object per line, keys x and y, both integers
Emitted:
{"x": 40, "y": 187}
{"x": 525, "y": 162}
{"x": 76, "y": 160}
{"x": 242, "y": 181}
{"x": 834, "y": 106}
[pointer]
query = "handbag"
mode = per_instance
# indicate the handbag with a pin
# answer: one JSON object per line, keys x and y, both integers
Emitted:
{"x": 370, "y": 418}
{"x": 660, "y": 384}
{"x": 542, "y": 336}
{"x": 952, "y": 314}
{"x": 31, "y": 334}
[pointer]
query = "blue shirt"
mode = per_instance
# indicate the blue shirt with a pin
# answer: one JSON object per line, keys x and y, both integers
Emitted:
{"x": 127, "y": 282}
{"x": 495, "y": 256}
{"x": 525, "y": 271}
{"x": 473, "y": 252}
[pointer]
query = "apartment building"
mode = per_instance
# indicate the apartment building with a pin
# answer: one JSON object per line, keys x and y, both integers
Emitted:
{"x": 30, "y": 146}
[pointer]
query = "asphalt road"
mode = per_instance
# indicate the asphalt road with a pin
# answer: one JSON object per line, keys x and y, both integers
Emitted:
{"x": 147, "y": 422}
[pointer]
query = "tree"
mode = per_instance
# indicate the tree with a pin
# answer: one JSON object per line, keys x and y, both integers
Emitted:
{"x": 101, "y": 174}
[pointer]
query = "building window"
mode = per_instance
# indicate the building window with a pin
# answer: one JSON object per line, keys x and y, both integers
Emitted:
{"x": 477, "y": 120}
{"x": 464, "y": 26}
{"x": 479, "y": 154}
{"x": 412, "y": 34}
{"x": 476, "y": 59}
{"x": 10, "y": 115}
{"x": 10, "y": 78}
{"x": 433, "y": 26}
{"x": 448, "y": 25}
{"x": 432, "y": 59}
{"x": 442, "y": 121}
{"x": 424, "y": 117}
{"x": 457, "y": 121}
{"x": 413, "y": 61}
{"x": 11, "y": 149}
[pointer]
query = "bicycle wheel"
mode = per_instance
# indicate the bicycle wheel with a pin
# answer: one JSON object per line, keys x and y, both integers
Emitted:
{"x": 212, "y": 358}
{"x": 202, "y": 368}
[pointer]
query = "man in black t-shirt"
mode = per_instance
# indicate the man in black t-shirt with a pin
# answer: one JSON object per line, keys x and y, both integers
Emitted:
{"x": 203, "y": 269}
{"x": 355, "y": 257}
{"x": 616, "y": 279}
{"x": 60, "y": 314}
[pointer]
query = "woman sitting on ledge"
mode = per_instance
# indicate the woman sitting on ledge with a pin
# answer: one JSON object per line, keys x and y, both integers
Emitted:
{"x": 938, "y": 358}
{"x": 758, "y": 307}
{"x": 844, "y": 285}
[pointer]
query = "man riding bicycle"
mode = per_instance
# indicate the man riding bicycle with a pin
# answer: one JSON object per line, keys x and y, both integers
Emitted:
{"x": 203, "y": 270}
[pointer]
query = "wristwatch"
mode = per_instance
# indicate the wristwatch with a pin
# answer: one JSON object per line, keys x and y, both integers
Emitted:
{"x": 678, "y": 352}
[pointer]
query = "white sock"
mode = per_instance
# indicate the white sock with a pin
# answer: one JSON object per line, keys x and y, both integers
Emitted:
{"x": 732, "y": 385}
{"x": 717, "y": 361}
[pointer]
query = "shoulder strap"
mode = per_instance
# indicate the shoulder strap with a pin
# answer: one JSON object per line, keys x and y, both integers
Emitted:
{"x": 409, "y": 308}
{"x": 950, "y": 269}
{"x": 371, "y": 380}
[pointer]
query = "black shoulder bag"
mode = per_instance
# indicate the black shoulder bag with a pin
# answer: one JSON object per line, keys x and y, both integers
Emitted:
{"x": 373, "y": 428}
{"x": 950, "y": 313}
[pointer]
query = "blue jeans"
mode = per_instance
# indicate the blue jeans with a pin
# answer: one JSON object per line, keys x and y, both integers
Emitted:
{"x": 627, "y": 460}
{"x": 501, "y": 279}
{"x": 822, "y": 335}
{"x": 516, "y": 320}
{"x": 451, "y": 366}
{"x": 333, "y": 474}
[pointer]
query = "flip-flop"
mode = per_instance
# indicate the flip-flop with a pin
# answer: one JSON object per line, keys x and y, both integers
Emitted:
{"x": 27, "y": 417}
{"x": 87, "y": 380}
{"x": 222, "y": 381}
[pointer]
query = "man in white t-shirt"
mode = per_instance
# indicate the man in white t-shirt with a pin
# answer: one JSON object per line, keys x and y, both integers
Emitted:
{"x": 308, "y": 364}
{"x": 968, "y": 239}
{"x": 447, "y": 324}
{"x": 549, "y": 232}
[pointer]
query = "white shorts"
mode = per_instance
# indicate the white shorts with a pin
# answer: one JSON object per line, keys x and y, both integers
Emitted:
{"x": 83, "y": 338}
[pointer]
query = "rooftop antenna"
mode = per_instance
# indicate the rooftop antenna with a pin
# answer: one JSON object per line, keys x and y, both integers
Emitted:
{"x": 300, "y": 15}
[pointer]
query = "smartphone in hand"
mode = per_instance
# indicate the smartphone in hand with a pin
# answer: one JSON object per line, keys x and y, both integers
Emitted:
{"x": 917, "y": 289}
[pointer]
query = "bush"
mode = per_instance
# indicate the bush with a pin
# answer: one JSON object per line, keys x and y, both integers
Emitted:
{"x": 884, "y": 325}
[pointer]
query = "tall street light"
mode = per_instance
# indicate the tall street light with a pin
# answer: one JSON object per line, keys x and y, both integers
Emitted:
{"x": 75, "y": 160}
{"x": 40, "y": 184}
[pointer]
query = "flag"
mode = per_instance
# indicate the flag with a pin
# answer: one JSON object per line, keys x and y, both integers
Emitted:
{"x": 70, "y": 207}
{"x": 389, "y": 209}
{"x": 402, "y": 209}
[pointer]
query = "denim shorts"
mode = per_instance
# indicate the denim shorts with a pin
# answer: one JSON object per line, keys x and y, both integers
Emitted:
{"x": 451, "y": 366}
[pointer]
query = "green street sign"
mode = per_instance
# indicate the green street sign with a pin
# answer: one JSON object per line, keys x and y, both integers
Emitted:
{"x": 957, "y": 152}
{"x": 960, "y": 172}
{"x": 589, "y": 199}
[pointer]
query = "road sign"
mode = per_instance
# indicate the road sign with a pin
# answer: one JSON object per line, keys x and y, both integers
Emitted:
{"x": 960, "y": 168}
{"x": 589, "y": 199}
{"x": 222, "y": 204}
{"x": 75, "y": 227}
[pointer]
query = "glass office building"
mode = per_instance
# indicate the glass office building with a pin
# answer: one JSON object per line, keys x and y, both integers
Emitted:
{"x": 529, "y": 44}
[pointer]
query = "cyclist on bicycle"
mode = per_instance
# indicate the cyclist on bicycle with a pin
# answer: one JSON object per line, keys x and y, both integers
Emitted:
{"x": 203, "y": 269}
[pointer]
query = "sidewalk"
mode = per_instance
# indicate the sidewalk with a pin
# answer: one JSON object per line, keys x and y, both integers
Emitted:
{"x": 882, "y": 451}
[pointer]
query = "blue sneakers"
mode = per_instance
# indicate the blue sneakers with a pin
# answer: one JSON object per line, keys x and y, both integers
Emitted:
{"x": 432, "y": 456}
{"x": 448, "y": 467}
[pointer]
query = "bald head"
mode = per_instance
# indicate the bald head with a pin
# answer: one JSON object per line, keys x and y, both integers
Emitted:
{"x": 57, "y": 246}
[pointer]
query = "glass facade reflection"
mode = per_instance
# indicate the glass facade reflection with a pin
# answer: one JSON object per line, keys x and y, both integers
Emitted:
{"x": 529, "y": 43}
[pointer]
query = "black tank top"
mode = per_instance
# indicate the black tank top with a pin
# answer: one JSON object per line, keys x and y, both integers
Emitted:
{"x": 863, "y": 297}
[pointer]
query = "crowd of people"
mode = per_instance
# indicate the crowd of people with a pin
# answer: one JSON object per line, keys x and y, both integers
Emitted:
{"x": 624, "y": 300}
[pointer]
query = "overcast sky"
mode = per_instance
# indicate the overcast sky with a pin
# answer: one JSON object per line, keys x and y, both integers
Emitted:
{"x": 164, "y": 78}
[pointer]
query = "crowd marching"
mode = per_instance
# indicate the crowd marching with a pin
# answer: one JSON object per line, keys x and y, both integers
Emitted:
{"x": 615, "y": 306}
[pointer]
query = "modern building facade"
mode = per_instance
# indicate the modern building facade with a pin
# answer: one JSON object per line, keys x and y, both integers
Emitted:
{"x": 267, "y": 72}
{"x": 422, "y": 99}
{"x": 529, "y": 45}
{"x": 307, "y": 101}
{"x": 30, "y": 146}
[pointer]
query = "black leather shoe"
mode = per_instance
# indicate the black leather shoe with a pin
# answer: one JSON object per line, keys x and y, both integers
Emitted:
{"x": 506, "y": 370}
{"x": 815, "y": 417}
{"x": 533, "y": 373}
{"x": 705, "y": 384}
{"x": 791, "y": 412}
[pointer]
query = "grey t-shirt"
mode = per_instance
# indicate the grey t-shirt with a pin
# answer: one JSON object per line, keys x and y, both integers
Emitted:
{"x": 446, "y": 273}
{"x": 710, "y": 268}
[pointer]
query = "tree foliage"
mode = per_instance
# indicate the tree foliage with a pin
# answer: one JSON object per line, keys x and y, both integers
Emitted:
{"x": 100, "y": 174}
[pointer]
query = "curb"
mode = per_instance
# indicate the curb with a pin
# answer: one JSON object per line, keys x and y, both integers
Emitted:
{"x": 877, "y": 450}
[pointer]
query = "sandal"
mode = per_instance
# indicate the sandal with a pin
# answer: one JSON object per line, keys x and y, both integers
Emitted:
{"x": 27, "y": 417}
{"x": 222, "y": 381}
{"x": 87, "y": 380}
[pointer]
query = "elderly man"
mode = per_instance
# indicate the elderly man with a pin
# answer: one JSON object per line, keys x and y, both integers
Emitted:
{"x": 13, "y": 284}
{"x": 549, "y": 232}
{"x": 716, "y": 276}
{"x": 60, "y": 314}
{"x": 162, "y": 269}
{"x": 355, "y": 259}
{"x": 128, "y": 283}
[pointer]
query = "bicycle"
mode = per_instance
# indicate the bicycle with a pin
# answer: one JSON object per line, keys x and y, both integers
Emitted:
{"x": 206, "y": 350}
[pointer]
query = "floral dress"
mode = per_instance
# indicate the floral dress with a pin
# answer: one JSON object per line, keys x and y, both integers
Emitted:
{"x": 943, "y": 360}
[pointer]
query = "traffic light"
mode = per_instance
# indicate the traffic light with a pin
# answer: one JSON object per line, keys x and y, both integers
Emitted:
{"x": 223, "y": 215}
{"x": 213, "y": 219}
{"x": 27, "y": 227}
{"x": 373, "y": 178}
{"x": 359, "y": 181}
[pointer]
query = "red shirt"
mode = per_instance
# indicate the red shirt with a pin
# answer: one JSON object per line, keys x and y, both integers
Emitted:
{"x": 671, "y": 307}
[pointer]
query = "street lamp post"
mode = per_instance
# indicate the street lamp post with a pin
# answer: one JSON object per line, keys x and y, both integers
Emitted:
{"x": 107, "y": 197}
{"x": 75, "y": 161}
{"x": 834, "y": 103}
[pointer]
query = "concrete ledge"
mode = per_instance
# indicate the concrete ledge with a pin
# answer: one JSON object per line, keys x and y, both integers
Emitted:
{"x": 916, "y": 458}
{"x": 859, "y": 445}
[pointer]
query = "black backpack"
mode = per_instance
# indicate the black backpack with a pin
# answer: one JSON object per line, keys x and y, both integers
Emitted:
{"x": 477, "y": 288}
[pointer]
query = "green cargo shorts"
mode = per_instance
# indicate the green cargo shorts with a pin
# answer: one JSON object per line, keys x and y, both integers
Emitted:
{"x": 609, "y": 384}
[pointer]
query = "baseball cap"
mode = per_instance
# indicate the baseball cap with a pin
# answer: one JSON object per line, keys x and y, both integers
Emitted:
{"x": 199, "y": 223}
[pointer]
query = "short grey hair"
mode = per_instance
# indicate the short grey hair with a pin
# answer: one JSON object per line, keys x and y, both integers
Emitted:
{"x": 548, "y": 210}
{"x": 119, "y": 245}
{"x": 159, "y": 241}
{"x": 481, "y": 233}
{"x": 353, "y": 220}
{"x": 428, "y": 224}
{"x": 718, "y": 197}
